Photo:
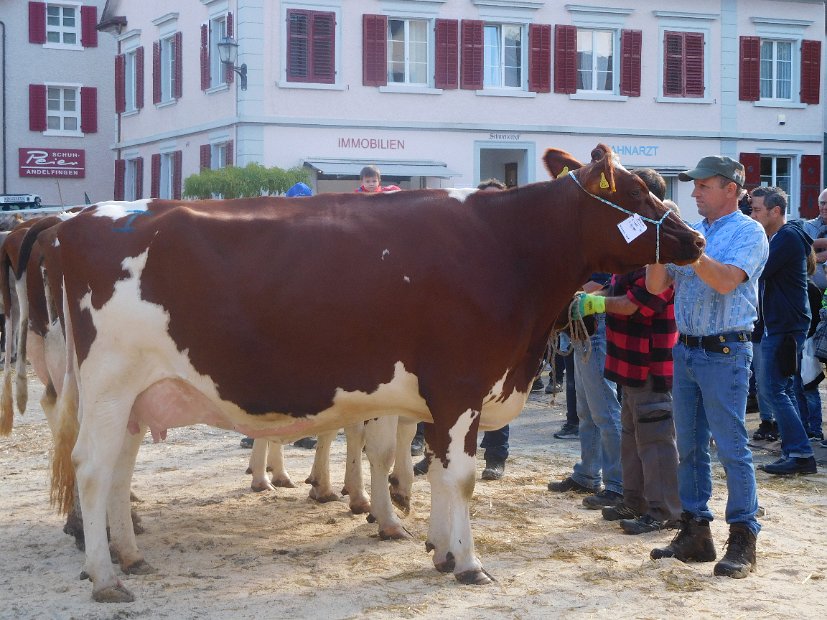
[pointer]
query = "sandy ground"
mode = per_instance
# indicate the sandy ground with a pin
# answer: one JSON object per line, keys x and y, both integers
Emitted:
{"x": 222, "y": 551}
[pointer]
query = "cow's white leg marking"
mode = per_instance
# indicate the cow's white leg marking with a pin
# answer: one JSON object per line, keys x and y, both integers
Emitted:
{"x": 452, "y": 487}
{"x": 22, "y": 384}
{"x": 319, "y": 478}
{"x": 401, "y": 478}
{"x": 258, "y": 465}
{"x": 380, "y": 444}
{"x": 354, "y": 480}
{"x": 275, "y": 463}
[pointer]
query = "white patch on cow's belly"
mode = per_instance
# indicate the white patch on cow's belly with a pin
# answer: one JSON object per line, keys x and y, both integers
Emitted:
{"x": 125, "y": 362}
{"x": 461, "y": 194}
{"x": 118, "y": 209}
{"x": 497, "y": 412}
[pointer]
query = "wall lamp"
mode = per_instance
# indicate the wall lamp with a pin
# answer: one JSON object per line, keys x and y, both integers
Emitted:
{"x": 228, "y": 53}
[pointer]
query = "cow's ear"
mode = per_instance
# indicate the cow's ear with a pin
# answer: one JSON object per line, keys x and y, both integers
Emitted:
{"x": 599, "y": 176}
{"x": 559, "y": 162}
{"x": 601, "y": 151}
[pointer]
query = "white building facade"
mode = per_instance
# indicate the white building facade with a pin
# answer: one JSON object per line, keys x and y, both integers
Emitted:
{"x": 449, "y": 92}
{"x": 57, "y": 112}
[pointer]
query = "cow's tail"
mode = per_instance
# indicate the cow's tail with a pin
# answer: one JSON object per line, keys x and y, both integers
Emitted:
{"x": 62, "y": 494}
{"x": 6, "y": 405}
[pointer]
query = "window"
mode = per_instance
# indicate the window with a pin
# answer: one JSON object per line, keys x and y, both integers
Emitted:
{"x": 167, "y": 174}
{"x": 311, "y": 39}
{"x": 777, "y": 172}
{"x": 407, "y": 51}
{"x": 133, "y": 181}
{"x": 62, "y": 25}
{"x": 167, "y": 68}
{"x": 503, "y": 56}
{"x": 218, "y": 30}
{"x": 62, "y": 109}
{"x": 220, "y": 156}
{"x": 131, "y": 80}
{"x": 683, "y": 64}
{"x": 776, "y": 69}
{"x": 595, "y": 60}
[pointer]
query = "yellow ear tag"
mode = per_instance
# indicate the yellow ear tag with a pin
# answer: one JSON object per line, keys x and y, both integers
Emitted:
{"x": 564, "y": 172}
{"x": 604, "y": 184}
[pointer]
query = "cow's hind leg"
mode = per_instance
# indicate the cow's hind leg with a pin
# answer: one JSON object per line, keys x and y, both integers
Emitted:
{"x": 258, "y": 466}
{"x": 401, "y": 478}
{"x": 380, "y": 443}
{"x": 354, "y": 480}
{"x": 319, "y": 478}
{"x": 452, "y": 478}
{"x": 275, "y": 465}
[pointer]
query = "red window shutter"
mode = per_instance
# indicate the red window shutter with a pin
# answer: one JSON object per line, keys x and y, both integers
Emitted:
{"x": 155, "y": 175}
{"x": 539, "y": 59}
{"x": 177, "y": 161}
{"x": 750, "y": 71}
{"x": 178, "y": 83}
{"x": 205, "y": 57}
{"x": 810, "y": 71}
{"x": 139, "y": 178}
{"x": 229, "y": 74}
{"x": 298, "y": 48}
{"x": 673, "y": 62}
{"x": 565, "y": 59}
{"x": 120, "y": 178}
{"x": 752, "y": 169}
{"x": 37, "y": 22}
{"x": 323, "y": 51}
{"x": 88, "y": 109}
{"x": 694, "y": 63}
{"x": 230, "y": 152}
{"x": 89, "y": 26}
{"x": 631, "y": 42}
{"x": 810, "y": 185}
{"x": 120, "y": 83}
{"x": 37, "y": 107}
{"x": 374, "y": 50}
{"x": 139, "y": 77}
{"x": 446, "y": 53}
{"x": 156, "y": 74}
{"x": 206, "y": 157}
{"x": 471, "y": 63}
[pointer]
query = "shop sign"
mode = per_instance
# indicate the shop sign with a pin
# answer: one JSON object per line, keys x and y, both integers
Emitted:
{"x": 34, "y": 162}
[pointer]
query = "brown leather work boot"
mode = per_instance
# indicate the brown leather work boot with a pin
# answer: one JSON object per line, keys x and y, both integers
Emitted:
{"x": 692, "y": 543}
{"x": 739, "y": 559}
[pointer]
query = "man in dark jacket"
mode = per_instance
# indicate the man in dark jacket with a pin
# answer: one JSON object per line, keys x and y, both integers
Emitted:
{"x": 785, "y": 312}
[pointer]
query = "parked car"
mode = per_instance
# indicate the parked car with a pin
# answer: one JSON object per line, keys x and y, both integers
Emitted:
{"x": 14, "y": 202}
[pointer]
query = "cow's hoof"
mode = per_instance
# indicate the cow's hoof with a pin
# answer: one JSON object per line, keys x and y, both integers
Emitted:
{"x": 311, "y": 481}
{"x": 258, "y": 487}
{"x": 395, "y": 533}
{"x": 429, "y": 546}
{"x": 403, "y": 502}
{"x": 344, "y": 492}
{"x": 447, "y": 565}
{"x": 360, "y": 508}
{"x": 284, "y": 483}
{"x": 116, "y": 594}
{"x": 323, "y": 498}
{"x": 370, "y": 518}
{"x": 138, "y": 568}
{"x": 83, "y": 575}
{"x": 478, "y": 577}
{"x": 249, "y": 471}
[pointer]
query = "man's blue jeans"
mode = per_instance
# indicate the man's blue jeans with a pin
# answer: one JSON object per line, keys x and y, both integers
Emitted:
{"x": 764, "y": 407}
{"x": 598, "y": 412}
{"x": 778, "y": 393}
{"x": 709, "y": 396}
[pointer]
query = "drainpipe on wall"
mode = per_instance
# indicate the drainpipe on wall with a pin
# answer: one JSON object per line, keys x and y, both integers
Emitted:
{"x": 3, "y": 78}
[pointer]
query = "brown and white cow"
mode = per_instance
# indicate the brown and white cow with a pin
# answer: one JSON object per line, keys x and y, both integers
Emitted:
{"x": 432, "y": 304}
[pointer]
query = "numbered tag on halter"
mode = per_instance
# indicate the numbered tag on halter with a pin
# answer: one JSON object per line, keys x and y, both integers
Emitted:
{"x": 632, "y": 227}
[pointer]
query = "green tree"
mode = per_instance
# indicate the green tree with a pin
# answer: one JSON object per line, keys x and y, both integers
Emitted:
{"x": 251, "y": 180}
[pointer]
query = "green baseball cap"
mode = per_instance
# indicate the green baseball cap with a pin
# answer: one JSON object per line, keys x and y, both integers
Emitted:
{"x": 715, "y": 165}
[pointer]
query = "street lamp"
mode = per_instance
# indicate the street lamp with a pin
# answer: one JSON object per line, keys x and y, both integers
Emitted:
{"x": 228, "y": 53}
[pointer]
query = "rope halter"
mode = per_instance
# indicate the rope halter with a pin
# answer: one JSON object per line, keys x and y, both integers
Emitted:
{"x": 657, "y": 223}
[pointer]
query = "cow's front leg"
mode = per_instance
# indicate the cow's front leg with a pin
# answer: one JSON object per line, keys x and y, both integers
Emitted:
{"x": 452, "y": 475}
{"x": 401, "y": 478}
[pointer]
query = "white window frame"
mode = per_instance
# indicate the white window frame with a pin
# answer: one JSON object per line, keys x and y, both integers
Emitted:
{"x": 218, "y": 155}
{"x": 217, "y": 30}
{"x": 130, "y": 180}
{"x": 61, "y": 113}
{"x": 62, "y": 30}
{"x": 166, "y": 175}
{"x": 130, "y": 80}
{"x": 680, "y": 27}
{"x": 792, "y": 190}
{"x": 338, "y": 42}
{"x": 794, "y": 79}
{"x": 167, "y": 68}
{"x": 486, "y": 83}
{"x": 406, "y": 81}
{"x": 615, "y": 68}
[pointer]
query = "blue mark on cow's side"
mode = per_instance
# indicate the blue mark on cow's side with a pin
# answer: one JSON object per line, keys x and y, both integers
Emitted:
{"x": 127, "y": 227}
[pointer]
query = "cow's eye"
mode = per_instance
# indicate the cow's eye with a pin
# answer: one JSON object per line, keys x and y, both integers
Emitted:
{"x": 635, "y": 193}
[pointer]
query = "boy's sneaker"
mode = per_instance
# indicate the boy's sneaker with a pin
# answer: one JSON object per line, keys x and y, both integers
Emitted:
{"x": 601, "y": 499}
{"x": 618, "y": 512}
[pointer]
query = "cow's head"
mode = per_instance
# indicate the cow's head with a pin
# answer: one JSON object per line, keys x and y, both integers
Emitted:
{"x": 609, "y": 185}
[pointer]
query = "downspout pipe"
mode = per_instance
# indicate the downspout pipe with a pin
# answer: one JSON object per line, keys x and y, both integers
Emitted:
{"x": 5, "y": 129}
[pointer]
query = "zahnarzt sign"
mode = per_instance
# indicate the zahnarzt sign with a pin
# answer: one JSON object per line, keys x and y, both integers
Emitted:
{"x": 52, "y": 163}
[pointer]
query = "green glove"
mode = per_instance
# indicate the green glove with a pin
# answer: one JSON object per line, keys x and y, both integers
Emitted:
{"x": 588, "y": 304}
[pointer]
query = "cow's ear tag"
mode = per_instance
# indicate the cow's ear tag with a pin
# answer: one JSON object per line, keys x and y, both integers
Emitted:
{"x": 604, "y": 184}
{"x": 564, "y": 172}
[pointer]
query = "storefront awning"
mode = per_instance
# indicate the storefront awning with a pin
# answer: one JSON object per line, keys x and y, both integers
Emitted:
{"x": 352, "y": 168}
